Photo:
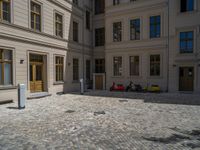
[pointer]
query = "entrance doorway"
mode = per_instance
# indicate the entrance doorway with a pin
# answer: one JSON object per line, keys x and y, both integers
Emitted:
{"x": 36, "y": 72}
{"x": 186, "y": 79}
{"x": 99, "y": 82}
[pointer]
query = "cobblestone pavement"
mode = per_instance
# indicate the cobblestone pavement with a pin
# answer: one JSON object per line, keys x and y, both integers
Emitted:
{"x": 103, "y": 121}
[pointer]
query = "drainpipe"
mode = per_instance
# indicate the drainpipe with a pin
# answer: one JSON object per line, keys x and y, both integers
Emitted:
{"x": 168, "y": 48}
{"x": 83, "y": 49}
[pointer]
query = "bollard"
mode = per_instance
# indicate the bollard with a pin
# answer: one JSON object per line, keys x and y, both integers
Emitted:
{"x": 21, "y": 96}
{"x": 81, "y": 86}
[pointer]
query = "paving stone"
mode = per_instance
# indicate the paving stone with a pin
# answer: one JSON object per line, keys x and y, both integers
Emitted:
{"x": 144, "y": 121}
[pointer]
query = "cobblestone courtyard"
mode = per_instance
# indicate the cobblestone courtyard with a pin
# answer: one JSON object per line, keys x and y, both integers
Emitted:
{"x": 103, "y": 121}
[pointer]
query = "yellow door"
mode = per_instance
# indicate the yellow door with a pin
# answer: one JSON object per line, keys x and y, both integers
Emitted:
{"x": 36, "y": 77}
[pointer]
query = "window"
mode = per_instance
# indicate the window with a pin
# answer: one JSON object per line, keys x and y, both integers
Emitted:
{"x": 155, "y": 27}
{"x": 75, "y": 2}
{"x": 88, "y": 66}
{"x": 99, "y": 65}
{"x": 117, "y": 32}
{"x": 187, "y": 5}
{"x": 99, "y": 6}
{"x": 5, "y": 10}
{"x": 116, "y": 2}
{"x": 155, "y": 65}
{"x": 75, "y": 31}
{"x": 134, "y": 65}
{"x": 5, "y": 67}
{"x": 117, "y": 62}
{"x": 75, "y": 69}
{"x": 88, "y": 20}
{"x": 35, "y": 16}
{"x": 58, "y": 25}
{"x": 135, "y": 29}
{"x": 100, "y": 37}
{"x": 186, "y": 42}
{"x": 59, "y": 65}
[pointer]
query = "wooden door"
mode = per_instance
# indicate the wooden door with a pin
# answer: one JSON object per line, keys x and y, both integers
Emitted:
{"x": 36, "y": 76}
{"x": 99, "y": 82}
{"x": 186, "y": 79}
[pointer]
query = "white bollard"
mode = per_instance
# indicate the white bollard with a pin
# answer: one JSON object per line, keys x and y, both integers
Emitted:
{"x": 21, "y": 96}
{"x": 82, "y": 86}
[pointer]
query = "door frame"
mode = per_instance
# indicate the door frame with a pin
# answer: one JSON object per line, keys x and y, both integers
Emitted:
{"x": 193, "y": 78}
{"x": 94, "y": 80}
{"x": 45, "y": 69}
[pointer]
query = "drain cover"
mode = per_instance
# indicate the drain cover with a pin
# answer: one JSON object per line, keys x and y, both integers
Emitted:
{"x": 70, "y": 111}
{"x": 99, "y": 113}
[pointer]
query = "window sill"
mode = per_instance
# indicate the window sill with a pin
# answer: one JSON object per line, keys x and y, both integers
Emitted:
{"x": 187, "y": 12}
{"x": 8, "y": 87}
{"x": 58, "y": 83}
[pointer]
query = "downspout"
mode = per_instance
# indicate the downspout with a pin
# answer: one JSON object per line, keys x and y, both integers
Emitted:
{"x": 168, "y": 49}
{"x": 83, "y": 49}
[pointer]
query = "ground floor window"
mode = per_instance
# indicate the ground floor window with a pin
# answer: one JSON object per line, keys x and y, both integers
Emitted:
{"x": 5, "y": 67}
{"x": 88, "y": 66}
{"x": 155, "y": 65}
{"x": 59, "y": 65}
{"x": 75, "y": 69}
{"x": 117, "y": 62}
{"x": 134, "y": 65}
{"x": 99, "y": 65}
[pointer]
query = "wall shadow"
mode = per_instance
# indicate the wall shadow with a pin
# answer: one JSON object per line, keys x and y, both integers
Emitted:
{"x": 159, "y": 98}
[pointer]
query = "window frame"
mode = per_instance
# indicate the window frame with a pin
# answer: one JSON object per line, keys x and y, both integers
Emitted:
{"x": 155, "y": 23}
{"x": 155, "y": 62}
{"x": 75, "y": 31}
{"x": 3, "y": 62}
{"x": 118, "y": 31}
{"x": 75, "y": 76}
{"x": 99, "y": 65}
{"x": 2, "y": 11}
{"x": 99, "y": 37}
{"x": 60, "y": 65}
{"x": 133, "y": 72}
{"x": 187, "y": 51}
{"x": 118, "y": 73}
{"x": 35, "y": 14}
{"x": 60, "y": 23}
{"x": 140, "y": 26}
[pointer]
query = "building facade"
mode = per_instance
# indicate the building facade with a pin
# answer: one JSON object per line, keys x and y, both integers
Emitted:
{"x": 49, "y": 45}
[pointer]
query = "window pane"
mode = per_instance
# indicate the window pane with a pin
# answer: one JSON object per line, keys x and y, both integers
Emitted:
{"x": 190, "y": 5}
{"x": 7, "y": 74}
{"x": 7, "y": 55}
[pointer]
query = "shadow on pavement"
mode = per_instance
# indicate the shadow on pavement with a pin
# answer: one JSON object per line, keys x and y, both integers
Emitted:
{"x": 162, "y": 98}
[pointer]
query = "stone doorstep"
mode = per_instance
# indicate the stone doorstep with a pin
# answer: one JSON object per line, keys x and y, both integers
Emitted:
{"x": 5, "y": 102}
{"x": 38, "y": 95}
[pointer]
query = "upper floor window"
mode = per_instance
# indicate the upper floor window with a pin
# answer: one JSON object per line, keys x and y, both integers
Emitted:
{"x": 5, "y": 10}
{"x": 117, "y": 69}
{"x": 87, "y": 20}
{"x": 100, "y": 37}
{"x": 59, "y": 67}
{"x": 117, "y": 32}
{"x": 186, "y": 42}
{"x": 187, "y": 5}
{"x": 155, "y": 27}
{"x": 35, "y": 16}
{"x": 75, "y": 31}
{"x": 99, "y": 6}
{"x": 75, "y": 2}
{"x": 155, "y": 65}
{"x": 58, "y": 25}
{"x": 99, "y": 65}
{"x": 5, "y": 67}
{"x": 135, "y": 29}
{"x": 116, "y": 2}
